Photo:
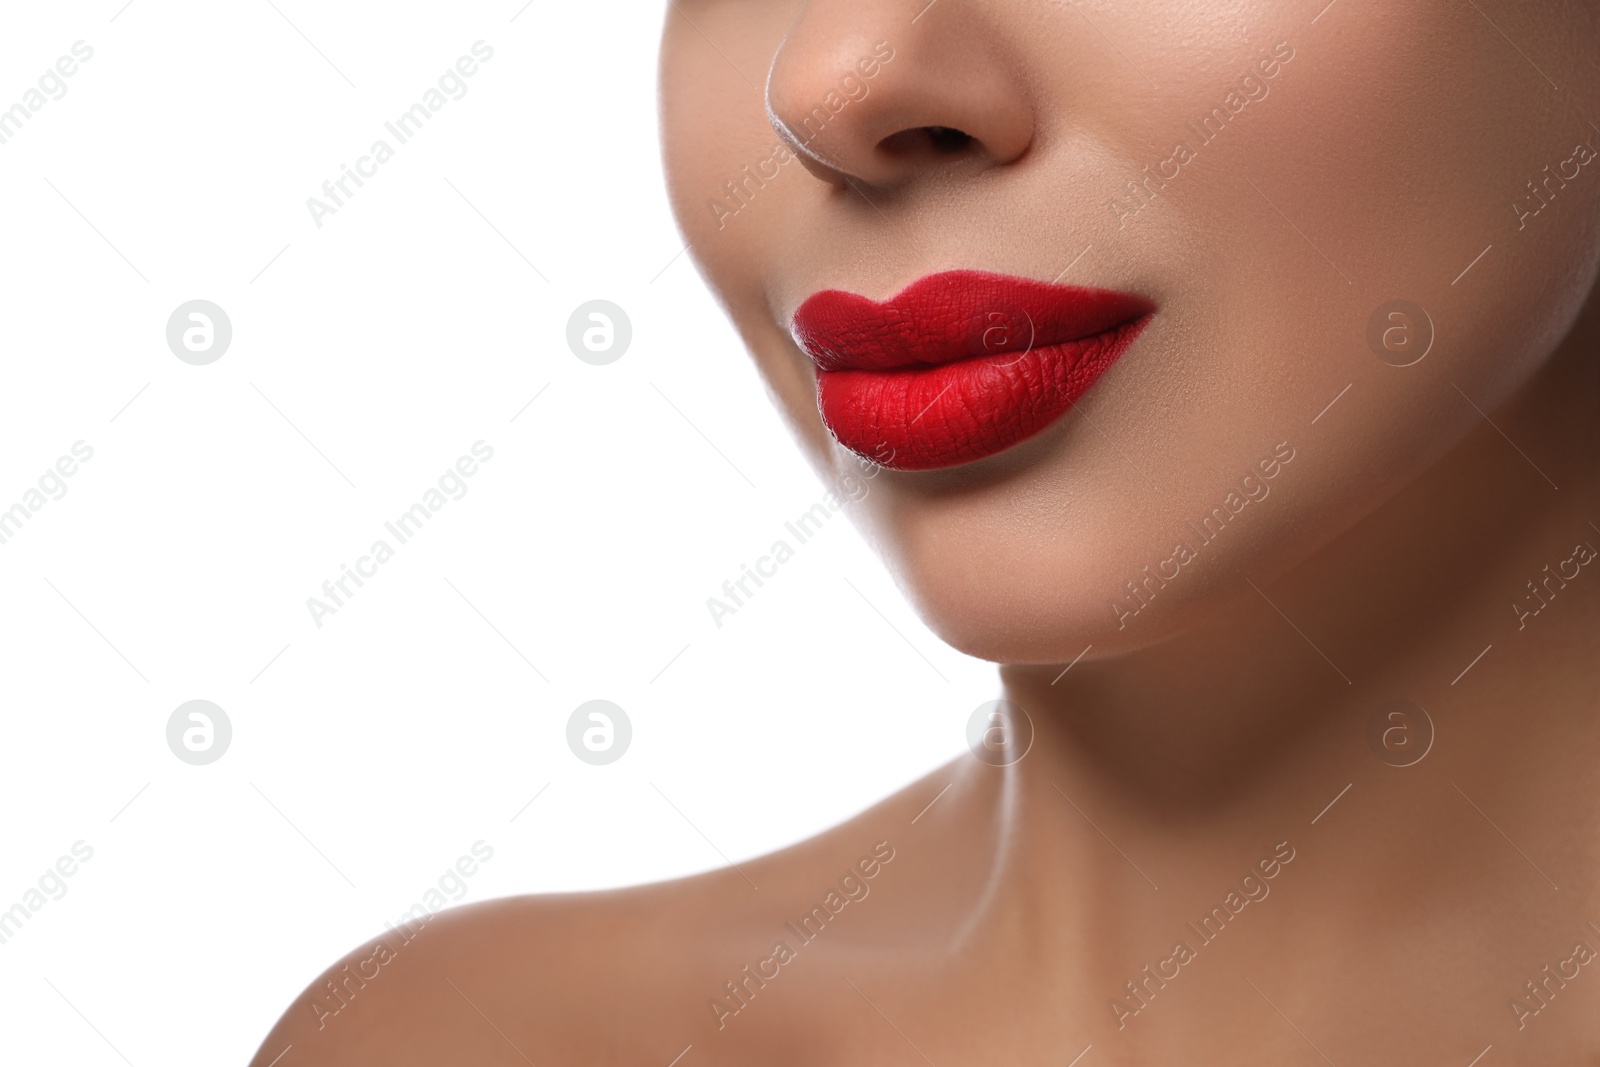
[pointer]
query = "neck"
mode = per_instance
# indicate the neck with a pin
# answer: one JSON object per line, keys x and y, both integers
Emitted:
{"x": 1163, "y": 776}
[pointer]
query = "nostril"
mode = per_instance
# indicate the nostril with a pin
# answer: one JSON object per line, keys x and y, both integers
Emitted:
{"x": 947, "y": 141}
{"x": 926, "y": 141}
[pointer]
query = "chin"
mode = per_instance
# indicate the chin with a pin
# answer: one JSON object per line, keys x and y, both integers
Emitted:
{"x": 1014, "y": 593}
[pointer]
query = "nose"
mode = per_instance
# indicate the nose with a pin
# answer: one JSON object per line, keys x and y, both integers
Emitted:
{"x": 888, "y": 92}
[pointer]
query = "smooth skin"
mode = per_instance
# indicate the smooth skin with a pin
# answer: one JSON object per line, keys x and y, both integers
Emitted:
{"x": 1223, "y": 729}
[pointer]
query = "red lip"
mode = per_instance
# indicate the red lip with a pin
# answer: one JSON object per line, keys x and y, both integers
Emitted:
{"x": 959, "y": 365}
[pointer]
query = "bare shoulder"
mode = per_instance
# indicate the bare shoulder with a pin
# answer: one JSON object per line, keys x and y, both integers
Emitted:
{"x": 591, "y": 977}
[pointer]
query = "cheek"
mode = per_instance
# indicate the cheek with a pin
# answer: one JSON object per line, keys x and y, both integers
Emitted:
{"x": 717, "y": 145}
{"x": 1397, "y": 161}
{"x": 715, "y": 132}
{"x": 1399, "y": 155}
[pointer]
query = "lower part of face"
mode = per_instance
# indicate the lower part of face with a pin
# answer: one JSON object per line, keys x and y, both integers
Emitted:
{"x": 1359, "y": 224}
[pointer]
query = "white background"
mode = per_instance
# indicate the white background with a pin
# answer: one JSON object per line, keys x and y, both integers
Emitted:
{"x": 369, "y": 754}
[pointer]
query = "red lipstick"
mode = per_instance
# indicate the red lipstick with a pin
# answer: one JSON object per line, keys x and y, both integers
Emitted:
{"x": 959, "y": 365}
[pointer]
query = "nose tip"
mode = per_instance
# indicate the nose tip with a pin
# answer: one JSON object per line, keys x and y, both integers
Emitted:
{"x": 886, "y": 108}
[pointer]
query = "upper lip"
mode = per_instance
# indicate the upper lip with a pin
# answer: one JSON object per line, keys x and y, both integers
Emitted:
{"x": 954, "y": 315}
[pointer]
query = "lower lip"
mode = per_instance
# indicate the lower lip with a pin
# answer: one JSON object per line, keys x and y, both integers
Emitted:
{"x": 929, "y": 417}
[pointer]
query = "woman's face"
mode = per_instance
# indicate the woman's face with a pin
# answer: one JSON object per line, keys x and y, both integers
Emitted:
{"x": 1272, "y": 176}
